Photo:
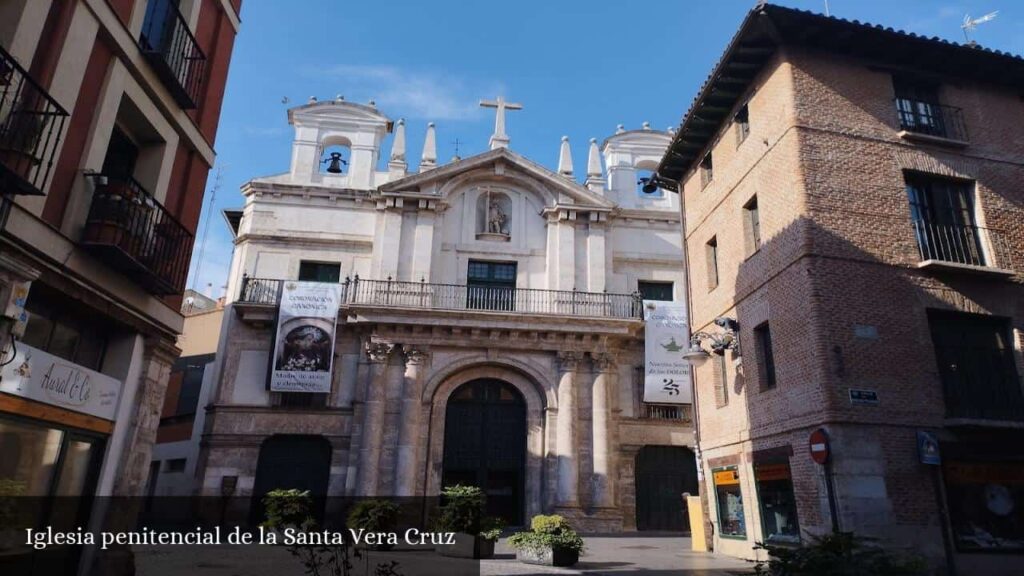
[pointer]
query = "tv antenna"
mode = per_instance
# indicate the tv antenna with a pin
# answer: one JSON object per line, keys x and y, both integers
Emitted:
{"x": 970, "y": 24}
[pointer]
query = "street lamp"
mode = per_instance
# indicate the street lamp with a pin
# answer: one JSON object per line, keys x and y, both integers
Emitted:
{"x": 719, "y": 342}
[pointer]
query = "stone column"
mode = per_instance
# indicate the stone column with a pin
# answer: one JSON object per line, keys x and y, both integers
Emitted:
{"x": 408, "y": 434}
{"x": 565, "y": 431}
{"x": 373, "y": 423}
{"x": 602, "y": 482}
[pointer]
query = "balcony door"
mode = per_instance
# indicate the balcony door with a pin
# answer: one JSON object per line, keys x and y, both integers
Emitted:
{"x": 917, "y": 105}
{"x": 491, "y": 285}
{"x": 942, "y": 211}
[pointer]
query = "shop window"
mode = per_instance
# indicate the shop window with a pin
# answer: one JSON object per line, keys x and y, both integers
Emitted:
{"x": 655, "y": 290}
{"x": 64, "y": 330}
{"x": 729, "y": 496}
{"x": 319, "y": 271}
{"x": 778, "y": 504}
{"x": 985, "y": 505}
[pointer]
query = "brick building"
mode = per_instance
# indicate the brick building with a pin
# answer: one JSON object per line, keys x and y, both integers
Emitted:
{"x": 108, "y": 114}
{"x": 851, "y": 196}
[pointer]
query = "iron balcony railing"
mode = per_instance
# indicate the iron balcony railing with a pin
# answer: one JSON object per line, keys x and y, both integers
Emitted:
{"x": 135, "y": 234}
{"x": 426, "y": 295}
{"x": 31, "y": 123}
{"x": 674, "y": 412}
{"x": 173, "y": 51}
{"x": 931, "y": 119}
{"x": 963, "y": 244}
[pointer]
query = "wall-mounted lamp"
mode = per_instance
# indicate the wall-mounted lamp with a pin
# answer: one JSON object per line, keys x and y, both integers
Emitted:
{"x": 727, "y": 339}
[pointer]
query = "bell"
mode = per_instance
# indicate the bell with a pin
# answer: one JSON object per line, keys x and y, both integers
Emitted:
{"x": 336, "y": 162}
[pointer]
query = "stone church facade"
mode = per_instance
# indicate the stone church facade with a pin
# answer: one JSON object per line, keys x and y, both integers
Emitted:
{"x": 490, "y": 330}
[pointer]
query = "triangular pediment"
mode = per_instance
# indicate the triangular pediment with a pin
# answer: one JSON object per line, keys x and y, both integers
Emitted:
{"x": 501, "y": 160}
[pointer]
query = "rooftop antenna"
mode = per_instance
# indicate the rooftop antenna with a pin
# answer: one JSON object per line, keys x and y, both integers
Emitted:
{"x": 206, "y": 225}
{"x": 971, "y": 23}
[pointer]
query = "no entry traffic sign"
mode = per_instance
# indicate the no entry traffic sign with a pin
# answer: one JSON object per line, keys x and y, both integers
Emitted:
{"x": 819, "y": 446}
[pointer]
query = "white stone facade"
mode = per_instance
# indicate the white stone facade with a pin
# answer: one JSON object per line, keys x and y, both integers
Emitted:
{"x": 570, "y": 341}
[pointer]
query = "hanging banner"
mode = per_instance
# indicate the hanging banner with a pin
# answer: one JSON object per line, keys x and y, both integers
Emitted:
{"x": 43, "y": 377}
{"x": 666, "y": 338}
{"x": 304, "y": 345}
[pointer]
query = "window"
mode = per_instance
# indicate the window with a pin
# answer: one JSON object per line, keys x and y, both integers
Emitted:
{"x": 777, "y": 502}
{"x": 491, "y": 285}
{"x": 650, "y": 290}
{"x": 984, "y": 499}
{"x": 61, "y": 329}
{"x": 711, "y": 257}
{"x": 191, "y": 386}
{"x": 175, "y": 465}
{"x": 319, "y": 271}
{"x": 975, "y": 360}
{"x": 752, "y": 226}
{"x": 917, "y": 105}
{"x": 122, "y": 155}
{"x": 706, "y": 172}
{"x": 942, "y": 214}
{"x": 742, "y": 122}
{"x": 721, "y": 381}
{"x": 729, "y": 497}
{"x": 766, "y": 356}
{"x": 301, "y": 400}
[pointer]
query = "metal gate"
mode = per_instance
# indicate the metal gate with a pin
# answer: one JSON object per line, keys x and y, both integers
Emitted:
{"x": 485, "y": 445}
{"x": 663, "y": 474}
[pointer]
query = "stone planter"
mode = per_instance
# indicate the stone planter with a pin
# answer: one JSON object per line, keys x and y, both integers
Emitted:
{"x": 548, "y": 557}
{"x": 468, "y": 546}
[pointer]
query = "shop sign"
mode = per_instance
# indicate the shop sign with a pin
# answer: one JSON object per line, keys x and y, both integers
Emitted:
{"x": 726, "y": 477}
{"x": 43, "y": 377}
{"x": 769, "y": 472}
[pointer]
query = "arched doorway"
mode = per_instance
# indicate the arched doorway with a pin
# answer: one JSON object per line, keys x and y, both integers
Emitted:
{"x": 292, "y": 461}
{"x": 485, "y": 444}
{"x": 663, "y": 473}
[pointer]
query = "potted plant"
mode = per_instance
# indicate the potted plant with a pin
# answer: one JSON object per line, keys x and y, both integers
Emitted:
{"x": 374, "y": 516}
{"x": 551, "y": 541}
{"x": 463, "y": 513}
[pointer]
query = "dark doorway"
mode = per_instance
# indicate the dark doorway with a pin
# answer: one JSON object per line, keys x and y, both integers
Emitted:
{"x": 485, "y": 445}
{"x": 292, "y": 462}
{"x": 663, "y": 473}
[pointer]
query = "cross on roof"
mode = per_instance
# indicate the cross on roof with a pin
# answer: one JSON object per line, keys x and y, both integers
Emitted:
{"x": 500, "y": 139}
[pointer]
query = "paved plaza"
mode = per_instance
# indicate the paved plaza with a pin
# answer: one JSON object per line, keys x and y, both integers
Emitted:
{"x": 661, "y": 555}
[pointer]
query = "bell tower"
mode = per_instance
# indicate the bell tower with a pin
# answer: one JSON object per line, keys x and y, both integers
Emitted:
{"x": 353, "y": 130}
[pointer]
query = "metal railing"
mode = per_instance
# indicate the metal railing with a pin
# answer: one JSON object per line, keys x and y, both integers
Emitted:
{"x": 931, "y": 119}
{"x": 962, "y": 244}
{"x": 426, "y": 295}
{"x": 173, "y": 51}
{"x": 31, "y": 123}
{"x": 674, "y": 412}
{"x": 137, "y": 234}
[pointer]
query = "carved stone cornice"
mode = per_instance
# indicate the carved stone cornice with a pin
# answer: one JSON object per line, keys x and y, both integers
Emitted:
{"x": 604, "y": 361}
{"x": 379, "y": 352}
{"x": 569, "y": 361}
{"x": 414, "y": 355}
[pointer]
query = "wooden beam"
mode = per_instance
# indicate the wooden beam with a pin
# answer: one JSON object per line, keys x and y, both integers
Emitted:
{"x": 31, "y": 409}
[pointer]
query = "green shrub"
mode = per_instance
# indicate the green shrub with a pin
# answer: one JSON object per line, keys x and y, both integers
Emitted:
{"x": 547, "y": 532}
{"x": 373, "y": 515}
{"x": 288, "y": 509}
{"x": 463, "y": 511}
{"x": 837, "y": 554}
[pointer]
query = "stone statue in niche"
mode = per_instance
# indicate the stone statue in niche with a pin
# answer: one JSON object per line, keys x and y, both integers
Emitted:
{"x": 493, "y": 216}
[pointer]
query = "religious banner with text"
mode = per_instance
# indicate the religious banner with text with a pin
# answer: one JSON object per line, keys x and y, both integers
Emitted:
{"x": 304, "y": 344}
{"x": 666, "y": 338}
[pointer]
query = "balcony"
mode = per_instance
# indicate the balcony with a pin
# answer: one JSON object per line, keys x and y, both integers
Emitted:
{"x": 965, "y": 248}
{"x": 681, "y": 413}
{"x": 133, "y": 233}
{"x": 31, "y": 123}
{"x": 931, "y": 123}
{"x": 457, "y": 297}
{"x": 172, "y": 50}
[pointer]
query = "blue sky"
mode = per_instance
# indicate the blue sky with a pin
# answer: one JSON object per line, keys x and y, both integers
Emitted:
{"x": 579, "y": 67}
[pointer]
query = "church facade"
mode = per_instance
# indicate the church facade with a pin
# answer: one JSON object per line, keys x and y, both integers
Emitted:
{"x": 490, "y": 329}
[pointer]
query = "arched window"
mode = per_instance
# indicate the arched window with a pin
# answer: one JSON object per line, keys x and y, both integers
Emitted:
{"x": 336, "y": 155}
